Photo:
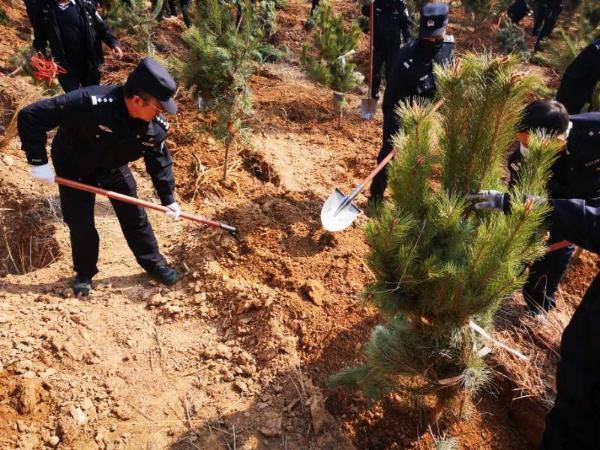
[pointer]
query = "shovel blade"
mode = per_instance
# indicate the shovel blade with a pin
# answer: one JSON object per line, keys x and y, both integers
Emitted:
{"x": 368, "y": 107}
{"x": 344, "y": 218}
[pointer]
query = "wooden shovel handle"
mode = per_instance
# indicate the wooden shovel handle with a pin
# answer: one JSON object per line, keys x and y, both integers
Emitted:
{"x": 136, "y": 201}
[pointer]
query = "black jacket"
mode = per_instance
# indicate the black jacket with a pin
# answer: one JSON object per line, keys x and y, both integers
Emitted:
{"x": 392, "y": 22}
{"x": 96, "y": 132}
{"x": 576, "y": 172}
{"x": 46, "y": 32}
{"x": 574, "y": 422}
{"x": 411, "y": 74}
{"x": 580, "y": 79}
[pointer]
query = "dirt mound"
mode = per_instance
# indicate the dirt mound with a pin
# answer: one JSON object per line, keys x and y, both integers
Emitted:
{"x": 25, "y": 405}
{"x": 28, "y": 229}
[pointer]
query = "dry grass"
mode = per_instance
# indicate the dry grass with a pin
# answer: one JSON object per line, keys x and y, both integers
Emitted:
{"x": 540, "y": 339}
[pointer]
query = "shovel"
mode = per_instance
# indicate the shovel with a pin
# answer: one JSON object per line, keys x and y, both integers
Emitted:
{"x": 368, "y": 106}
{"x": 136, "y": 201}
{"x": 338, "y": 211}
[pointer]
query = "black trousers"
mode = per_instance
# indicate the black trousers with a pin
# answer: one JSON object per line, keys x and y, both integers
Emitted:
{"x": 545, "y": 18}
{"x": 574, "y": 421}
{"x": 74, "y": 79}
{"x": 170, "y": 9}
{"x": 544, "y": 276}
{"x": 78, "y": 213}
{"x": 382, "y": 58}
{"x": 390, "y": 127}
{"x": 517, "y": 11}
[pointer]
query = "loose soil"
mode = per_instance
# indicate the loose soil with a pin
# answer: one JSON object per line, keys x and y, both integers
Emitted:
{"x": 238, "y": 353}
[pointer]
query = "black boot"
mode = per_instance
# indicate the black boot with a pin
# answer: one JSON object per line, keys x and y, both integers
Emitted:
{"x": 165, "y": 274}
{"x": 82, "y": 285}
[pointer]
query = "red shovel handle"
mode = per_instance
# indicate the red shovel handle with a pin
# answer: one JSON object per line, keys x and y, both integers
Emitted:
{"x": 387, "y": 159}
{"x": 137, "y": 201}
{"x": 558, "y": 245}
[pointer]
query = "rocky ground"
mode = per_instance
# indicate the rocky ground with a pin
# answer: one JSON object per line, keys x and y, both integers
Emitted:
{"x": 237, "y": 354}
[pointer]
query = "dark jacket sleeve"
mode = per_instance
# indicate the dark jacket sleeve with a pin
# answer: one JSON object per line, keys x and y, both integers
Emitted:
{"x": 580, "y": 78}
{"x": 104, "y": 32}
{"x": 577, "y": 221}
{"x": 36, "y": 120}
{"x": 159, "y": 166}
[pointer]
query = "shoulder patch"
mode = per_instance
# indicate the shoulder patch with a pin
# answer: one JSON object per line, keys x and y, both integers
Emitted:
{"x": 449, "y": 38}
{"x": 162, "y": 122}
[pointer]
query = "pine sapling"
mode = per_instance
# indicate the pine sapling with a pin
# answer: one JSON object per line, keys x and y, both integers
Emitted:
{"x": 330, "y": 63}
{"x": 223, "y": 50}
{"x": 442, "y": 269}
{"x": 135, "y": 20}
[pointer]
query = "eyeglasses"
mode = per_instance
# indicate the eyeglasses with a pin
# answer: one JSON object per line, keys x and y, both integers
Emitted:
{"x": 155, "y": 106}
{"x": 150, "y": 101}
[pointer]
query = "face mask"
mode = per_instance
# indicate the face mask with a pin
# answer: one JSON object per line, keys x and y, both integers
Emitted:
{"x": 429, "y": 48}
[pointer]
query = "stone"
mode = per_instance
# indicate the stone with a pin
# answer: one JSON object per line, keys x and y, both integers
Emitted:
{"x": 54, "y": 440}
{"x": 199, "y": 298}
{"x": 221, "y": 350}
{"x": 271, "y": 427}
{"x": 157, "y": 300}
{"x": 314, "y": 291}
{"x": 27, "y": 395}
{"x": 4, "y": 319}
{"x": 123, "y": 412}
{"x": 8, "y": 160}
{"x": 78, "y": 415}
{"x": 241, "y": 386}
{"x": 22, "y": 366}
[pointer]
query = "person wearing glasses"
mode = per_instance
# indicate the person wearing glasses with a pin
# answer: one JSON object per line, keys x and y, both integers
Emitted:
{"x": 100, "y": 130}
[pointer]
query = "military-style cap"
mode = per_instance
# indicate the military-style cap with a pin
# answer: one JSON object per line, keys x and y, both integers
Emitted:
{"x": 152, "y": 78}
{"x": 434, "y": 19}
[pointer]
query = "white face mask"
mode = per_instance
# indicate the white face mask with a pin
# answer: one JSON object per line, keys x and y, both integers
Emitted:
{"x": 524, "y": 149}
{"x": 63, "y": 6}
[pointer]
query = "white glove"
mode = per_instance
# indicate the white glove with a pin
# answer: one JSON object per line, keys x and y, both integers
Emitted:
{"x": 174, "y": 212}
{"x": 490, "y": 199}
{"x": 44, "y": 173}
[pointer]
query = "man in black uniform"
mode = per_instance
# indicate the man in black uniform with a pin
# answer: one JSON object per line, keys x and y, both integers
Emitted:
{"x": 74, "y": 31}
{"x": 391, "y": 25}
{"x": 545, "y": 17}
{"x": 545, "y": 274}
{"x": 574, "y": 421}
{"x": 411, "y": 75}
{"x": 580, "y": 79}
{"x": 100, "y": 130}
{"x": 574, "y": 175}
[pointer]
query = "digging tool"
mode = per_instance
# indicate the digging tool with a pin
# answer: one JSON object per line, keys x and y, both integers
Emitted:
{"x": 368, "y": 106}
{"x": 338, "y": 212}
{"x": 146, "y": 204}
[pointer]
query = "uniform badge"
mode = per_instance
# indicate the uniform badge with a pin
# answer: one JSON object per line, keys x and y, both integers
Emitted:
{"x": 430, "y": 23}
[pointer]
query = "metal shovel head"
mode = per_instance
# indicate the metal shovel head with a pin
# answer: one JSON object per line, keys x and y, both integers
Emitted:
{"x": 368, "y": 107}
{"x": 344, "y": 218}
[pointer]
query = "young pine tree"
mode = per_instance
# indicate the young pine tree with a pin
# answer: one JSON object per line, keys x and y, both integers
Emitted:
{"x": 333, "y": 46}
{"x": 223, "y": 48}
{"x": 441, "y": 266}
{"x": 511, "y": 38}
{"x": 135, "y": 20}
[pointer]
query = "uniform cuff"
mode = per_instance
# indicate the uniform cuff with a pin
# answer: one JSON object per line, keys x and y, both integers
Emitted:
{"x": 37, "y": 160}
{"x": 167, "y": 199}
